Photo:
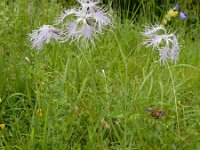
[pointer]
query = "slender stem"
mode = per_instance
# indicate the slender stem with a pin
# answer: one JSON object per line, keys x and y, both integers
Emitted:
{"x": 175, "y": 99}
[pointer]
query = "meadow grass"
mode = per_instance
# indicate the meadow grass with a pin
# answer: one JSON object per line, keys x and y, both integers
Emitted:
{"x": 71, "y": 97}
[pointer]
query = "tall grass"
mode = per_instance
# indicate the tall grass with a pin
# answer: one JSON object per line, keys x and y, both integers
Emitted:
{"x": 70, "y": 97}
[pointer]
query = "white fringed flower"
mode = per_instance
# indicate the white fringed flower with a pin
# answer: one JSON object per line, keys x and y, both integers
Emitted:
{"x": 88, "y": 22}
{"x": 78, "y": 25}
{"x": 43, "y": 35}
{"x": 167, "y": 44}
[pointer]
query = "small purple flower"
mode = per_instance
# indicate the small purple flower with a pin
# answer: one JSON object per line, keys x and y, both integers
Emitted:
{"x": 176, "y": 8}
{"x": 183, "y": 15}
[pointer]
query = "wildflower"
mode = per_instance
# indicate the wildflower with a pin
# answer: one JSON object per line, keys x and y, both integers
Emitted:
{"x": 172, "y": 13}
{"x": 167, "y": 44}
{"x": 176, "y": 8}
{"x": 158, "y": 37}
{"x": 182, "y": 15}
{"x": 43, "y": 35}
{"x": 89, "y": 21}
{"x": 39, "y": 112}
{"x": 81, "y": 24}
{"x": 2, "y": 126}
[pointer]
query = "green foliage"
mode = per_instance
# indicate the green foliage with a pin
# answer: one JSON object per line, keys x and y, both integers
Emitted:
{"x": 70, "y": 97}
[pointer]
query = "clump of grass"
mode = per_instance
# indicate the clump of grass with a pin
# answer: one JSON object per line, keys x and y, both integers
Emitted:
{"x": 68, "y": 97}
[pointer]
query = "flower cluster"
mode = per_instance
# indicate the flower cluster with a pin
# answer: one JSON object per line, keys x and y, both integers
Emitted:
{"x": 79, "y": 24}
{"x": 172, "y": 13}
{"x": 158, "y": 38}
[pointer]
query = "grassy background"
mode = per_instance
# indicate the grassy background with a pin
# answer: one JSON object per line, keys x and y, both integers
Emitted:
{"x": 69, "y": 97}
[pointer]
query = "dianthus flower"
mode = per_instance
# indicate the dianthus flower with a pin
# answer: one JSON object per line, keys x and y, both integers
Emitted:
{"x": 79, "y": 24}
{"x": 167, "y": 43}
{"x": 88, "y": 22}
{"x": 158, "y": 38}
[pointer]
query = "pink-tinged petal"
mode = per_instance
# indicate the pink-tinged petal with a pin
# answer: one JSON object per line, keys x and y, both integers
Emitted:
{"x": 86, "y": 31}
{"x": 72, "y": 28}
{"x": 175, "y": 50}
{"x": 164, "y": 52}
{"x": 43, "y": 35}
{"x": 101, "y": 19}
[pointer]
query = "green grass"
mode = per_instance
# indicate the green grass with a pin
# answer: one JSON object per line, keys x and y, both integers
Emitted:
{"x": 94, "y": 98}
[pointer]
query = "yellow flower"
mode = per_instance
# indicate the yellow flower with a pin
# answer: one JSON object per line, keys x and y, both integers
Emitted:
{"x": 179, "y": 102}
{"x": 39, "y": 112}
{"x": 170, "y": 14}
{"x": 2, "y": 126}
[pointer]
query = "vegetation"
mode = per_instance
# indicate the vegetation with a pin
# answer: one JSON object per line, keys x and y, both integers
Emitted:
{"x": 71, "y": 97}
